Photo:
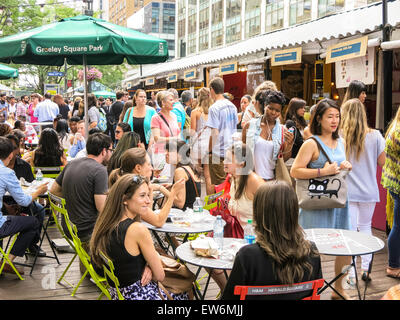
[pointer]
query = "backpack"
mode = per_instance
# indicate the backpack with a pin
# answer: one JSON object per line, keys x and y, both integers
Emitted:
{"x": 102, "y": 124}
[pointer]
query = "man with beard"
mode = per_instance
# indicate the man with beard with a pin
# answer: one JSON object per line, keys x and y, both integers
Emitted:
{"x": 83, "y": 184}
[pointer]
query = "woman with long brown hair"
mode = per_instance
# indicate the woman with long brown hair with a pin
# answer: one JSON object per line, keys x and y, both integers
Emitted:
{"x": 137, "y": 161}
{"x": 365, "y": 149}
{"x": 238, "y": 163}
{"x": 120, "y": 235}
{"x": 281, "y": 254}
{"x": 295, "y": 112}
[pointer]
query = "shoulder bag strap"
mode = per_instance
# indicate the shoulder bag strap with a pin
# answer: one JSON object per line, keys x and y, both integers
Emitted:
{"x": 321, "y": 149}
{"x": 166, "y": 122}
{"x": 194, "y": 182}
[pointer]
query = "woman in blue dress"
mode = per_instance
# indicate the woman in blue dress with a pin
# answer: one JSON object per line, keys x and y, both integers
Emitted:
{"x": 311, "y": 163}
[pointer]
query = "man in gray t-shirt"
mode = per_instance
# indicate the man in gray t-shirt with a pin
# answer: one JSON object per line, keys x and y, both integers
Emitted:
{"x": 84, "y": 184}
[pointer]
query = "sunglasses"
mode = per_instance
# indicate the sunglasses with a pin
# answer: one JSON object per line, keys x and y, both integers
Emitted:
{"x": 137, "y": 179}
{"x": 117, "y": 131}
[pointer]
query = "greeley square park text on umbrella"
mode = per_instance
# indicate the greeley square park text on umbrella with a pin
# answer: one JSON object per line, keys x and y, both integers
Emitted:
{"x": 82, "y": 40}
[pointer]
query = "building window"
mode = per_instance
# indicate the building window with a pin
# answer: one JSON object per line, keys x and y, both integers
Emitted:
{"x": 300, "y": 11}
{"x": 169, "y": 18}
{"x": 192, "y": 23}
{"x": 155, "y": 18}
{"x": 204, "y": 22}
{"x": 233, "y": 21}
{"x": 252, "y": 18}
{"x": 327, "y": 7}
{"x": 273, "y": 15}
{"x": 217, "y": 34}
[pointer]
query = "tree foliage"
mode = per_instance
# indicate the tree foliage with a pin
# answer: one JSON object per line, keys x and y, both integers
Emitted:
{"x": 25, "y": 15}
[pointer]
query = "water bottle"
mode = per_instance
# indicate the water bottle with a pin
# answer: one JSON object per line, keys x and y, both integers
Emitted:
{"x": 39, "y": 175}
{"x": 198, "y": 205}
{"x": 249, "y": 234}
{"x": 219, "y": 232}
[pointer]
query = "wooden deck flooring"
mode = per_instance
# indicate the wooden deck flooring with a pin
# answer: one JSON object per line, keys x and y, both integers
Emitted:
{"x": 41, "y": 285}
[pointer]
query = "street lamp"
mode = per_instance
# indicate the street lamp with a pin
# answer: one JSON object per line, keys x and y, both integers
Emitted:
{"x": 5, "y": 17}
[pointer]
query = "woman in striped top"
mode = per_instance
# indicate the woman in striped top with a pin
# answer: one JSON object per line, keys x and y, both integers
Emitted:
{"x": 391, "y": 182}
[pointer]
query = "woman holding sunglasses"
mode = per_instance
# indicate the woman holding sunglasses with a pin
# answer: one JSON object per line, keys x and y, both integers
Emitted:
{"x": 265, "y": 136}
{"x": 119, "y": 234}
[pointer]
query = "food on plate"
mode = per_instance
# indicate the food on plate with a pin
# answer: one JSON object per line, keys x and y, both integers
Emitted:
{"x": 205, "y": 247}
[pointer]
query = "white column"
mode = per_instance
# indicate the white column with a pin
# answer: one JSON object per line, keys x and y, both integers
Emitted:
{"x": 197, "y": 26}
{"x": 243, "y": 20}
{"x": 262, "y": 15}
{"x": 224, "y": 22}
{"x": 187, "y": 27}
{"x": 314, "y": 9}
{"x": 209, "y": 25}
{"x": 286, "y": 13}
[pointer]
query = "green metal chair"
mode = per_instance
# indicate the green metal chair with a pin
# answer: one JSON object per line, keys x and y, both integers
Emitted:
{"x": 85, "y": 258}
{"x": 108, "y": 268}
{"x": 4, "y": 255}
{"x": 58, "y": 210}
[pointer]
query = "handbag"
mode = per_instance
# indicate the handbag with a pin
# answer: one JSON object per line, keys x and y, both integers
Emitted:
{"x": 178, "y": 278}
{"x": 233, "y": 228}
{"x": 281, "y": 170}
{"x": 325, "y": 192}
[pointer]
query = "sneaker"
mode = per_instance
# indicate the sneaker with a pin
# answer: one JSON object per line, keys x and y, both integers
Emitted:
{"x": 351, "y": 282}
{"x": 366, "y": 277}
{"x": 34, "y": 249}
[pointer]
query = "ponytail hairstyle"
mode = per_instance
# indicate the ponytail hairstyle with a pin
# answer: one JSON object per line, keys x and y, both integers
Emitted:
{"x": 129, "y": 160}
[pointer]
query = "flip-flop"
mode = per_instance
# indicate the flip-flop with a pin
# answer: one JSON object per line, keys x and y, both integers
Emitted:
{"x": 396, "y": 275}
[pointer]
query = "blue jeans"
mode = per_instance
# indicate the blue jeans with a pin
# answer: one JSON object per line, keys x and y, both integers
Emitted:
{"x": 394, "y": 236}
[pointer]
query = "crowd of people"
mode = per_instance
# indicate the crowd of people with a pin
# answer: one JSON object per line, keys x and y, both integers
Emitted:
{"x": 195, "y": 142}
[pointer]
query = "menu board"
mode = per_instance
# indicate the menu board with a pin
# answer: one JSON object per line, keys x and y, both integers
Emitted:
{"x": 362, "y": 69}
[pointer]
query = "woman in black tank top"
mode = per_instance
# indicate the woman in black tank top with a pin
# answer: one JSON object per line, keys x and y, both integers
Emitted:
{"x": 179, "y": 156}
{"x": 119, "y": 234}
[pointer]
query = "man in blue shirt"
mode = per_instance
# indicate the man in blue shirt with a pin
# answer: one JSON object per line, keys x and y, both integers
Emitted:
{"x": 46, "y": 110}
{"x": 27, "y": 226}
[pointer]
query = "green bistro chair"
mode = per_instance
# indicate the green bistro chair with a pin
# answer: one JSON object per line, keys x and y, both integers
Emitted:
{"x": 85, "y": 258}
{"x": 108, "y": 268}
{"x": 5, "y": 258}
{"x": 59, "y": 212}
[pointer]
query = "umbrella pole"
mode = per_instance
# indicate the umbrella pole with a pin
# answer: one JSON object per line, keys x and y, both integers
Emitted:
{"x": 85, "y": 97}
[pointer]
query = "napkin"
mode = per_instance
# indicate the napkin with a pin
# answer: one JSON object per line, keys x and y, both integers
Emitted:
{"x": 205, "y": 247}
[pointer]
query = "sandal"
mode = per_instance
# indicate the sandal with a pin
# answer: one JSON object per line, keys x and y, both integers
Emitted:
{"x": 393, "y": 272}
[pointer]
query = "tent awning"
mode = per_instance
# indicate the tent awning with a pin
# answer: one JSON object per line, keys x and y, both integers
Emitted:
{"x": 344, "y": 24}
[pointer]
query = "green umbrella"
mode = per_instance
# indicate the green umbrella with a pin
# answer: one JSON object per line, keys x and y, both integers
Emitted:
{"x": 104, "y": 94}
{"x": 82, "y": 40}
{"x": 7, "y": 72}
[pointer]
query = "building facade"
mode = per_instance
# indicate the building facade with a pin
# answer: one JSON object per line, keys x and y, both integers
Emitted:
{"x": 209, "y": 24}
{"x": 156, "y": 18}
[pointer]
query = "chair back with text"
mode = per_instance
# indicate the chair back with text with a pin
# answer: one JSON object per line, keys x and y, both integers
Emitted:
{"x": 313, "y": 285}
{"x": 48, "y": 172}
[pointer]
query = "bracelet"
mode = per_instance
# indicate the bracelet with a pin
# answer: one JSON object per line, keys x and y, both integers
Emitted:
{"x": 319, "y": 172}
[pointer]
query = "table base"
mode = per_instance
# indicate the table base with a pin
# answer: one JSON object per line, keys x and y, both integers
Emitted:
{"x": 344, "y": 271}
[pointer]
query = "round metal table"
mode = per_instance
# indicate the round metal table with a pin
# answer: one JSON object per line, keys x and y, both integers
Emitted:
{"x": 339, "y": 242}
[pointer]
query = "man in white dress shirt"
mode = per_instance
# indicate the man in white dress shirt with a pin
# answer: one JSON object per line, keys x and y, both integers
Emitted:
{"x": 46, "y": 110}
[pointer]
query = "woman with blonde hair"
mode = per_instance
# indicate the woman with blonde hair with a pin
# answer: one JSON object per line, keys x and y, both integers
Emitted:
{"x": 391, "y": 182}
{"x": 119, "y": 234}
{"x": 201, "y": 133}
{"x": 365, "y": 151}
{"x": 164, "y": 128}
{"x": 281, "y": 254}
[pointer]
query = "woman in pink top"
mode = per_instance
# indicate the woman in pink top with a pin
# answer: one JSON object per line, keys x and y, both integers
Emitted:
{"x": 164, "y": 127}
{"x": 31, "y": 108}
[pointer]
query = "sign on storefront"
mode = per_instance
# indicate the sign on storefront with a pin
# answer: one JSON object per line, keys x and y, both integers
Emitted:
{"x": 347, "y": 50}
{"x": 173, "y": 77}
{"x": 228, "y": 68}
{"x": 255, "y": 76}
{"x": 190, "y": 74}
{"x": 288, "y": 56}
{"x": 150, "y": 81}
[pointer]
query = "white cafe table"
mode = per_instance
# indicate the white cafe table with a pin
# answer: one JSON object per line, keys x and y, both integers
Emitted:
{"x": 204, "y": 222}
{"x": 339, "y": 242}
{"x": 225, "y": 262}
